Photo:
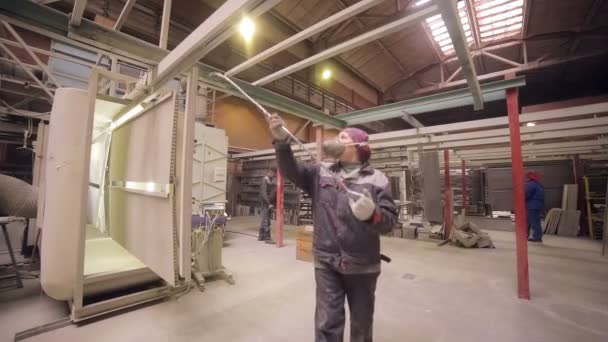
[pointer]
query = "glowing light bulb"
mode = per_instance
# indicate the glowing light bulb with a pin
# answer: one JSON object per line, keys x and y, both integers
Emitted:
{"x": 247, "y": 28}
{"x": 326, "y": 74}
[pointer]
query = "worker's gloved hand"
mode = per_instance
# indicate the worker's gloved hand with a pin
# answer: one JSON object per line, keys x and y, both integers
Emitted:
{"x": 276, "y": 124}
{"x": 364, "y": 207}
{"x": 270, "y": 206}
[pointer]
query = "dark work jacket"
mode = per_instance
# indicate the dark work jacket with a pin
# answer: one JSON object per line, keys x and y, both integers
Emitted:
{"x": 268, "y": 192}
{"x": 341, "y": 241}
{"x": 535, "y": 195}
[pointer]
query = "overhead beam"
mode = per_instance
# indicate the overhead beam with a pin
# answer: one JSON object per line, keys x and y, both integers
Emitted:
{"x": 27, "y": 70}
{"x": 381, "y": 45}
{"x": 31, "y": 53}
{"x": 351, "y": 44}
{"x": 568, "y": 152}
{"x": 188, "y": 51}
{"x": 24, "y": 113}
{"x": 97, "y": 38}
{"x": 449, "y": 12}
{"x": 538, "y": 64}
{"x": 458, "y": 98}
{"x": 578, "y": 132}
{"x": 165, "y": 23}
{"x": 124, "y": 14}
{"x": 538, "y": 147}
{"x": 413, "y": 137}
{"x": 332, "y": 20}
{"x": 410, "y": 119}
{"x": 77, "y": 12}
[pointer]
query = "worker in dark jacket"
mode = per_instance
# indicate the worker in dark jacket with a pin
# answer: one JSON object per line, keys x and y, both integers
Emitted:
{"x": 267, "y": 200}
{"x": 347, "y": 228}
{"x": 535, "y": 202}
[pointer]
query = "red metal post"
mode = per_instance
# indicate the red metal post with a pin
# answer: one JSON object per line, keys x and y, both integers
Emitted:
{"x": 280, "y": 213}
{"x": 448, "y": 193}
{"x": 464, "y": 188}
{"x": 521, "y": 231}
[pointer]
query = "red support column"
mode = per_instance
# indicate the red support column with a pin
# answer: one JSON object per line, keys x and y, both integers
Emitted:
{"x": 464, "y": 188}
{"x": 280, "y": 214}
{"x": 448, "y": 194}
{"x": 521, "y": 231}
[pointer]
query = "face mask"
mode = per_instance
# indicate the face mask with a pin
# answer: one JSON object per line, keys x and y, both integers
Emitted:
{"x": 333, "y": 148}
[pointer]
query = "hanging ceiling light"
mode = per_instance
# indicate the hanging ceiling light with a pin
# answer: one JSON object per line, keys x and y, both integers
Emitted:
{"x": 247, "y": 28}
{"x": 326, "y": 74}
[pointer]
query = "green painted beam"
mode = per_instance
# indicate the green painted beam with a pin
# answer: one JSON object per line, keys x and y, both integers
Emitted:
{"x": 49, "y": 20}
{"x": 452, "y": 99}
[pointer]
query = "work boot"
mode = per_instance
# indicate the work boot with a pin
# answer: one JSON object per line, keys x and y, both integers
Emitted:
{"x": 261, "y": 235}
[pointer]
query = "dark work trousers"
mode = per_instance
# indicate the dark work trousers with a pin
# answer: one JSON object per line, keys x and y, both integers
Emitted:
{"x": 533, "y": 218}
{"x": 359, "y": 290}
{"x": 266, "y": 214}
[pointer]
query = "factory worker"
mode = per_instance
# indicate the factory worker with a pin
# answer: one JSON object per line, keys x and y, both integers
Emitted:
{"x": 347, "y": 228}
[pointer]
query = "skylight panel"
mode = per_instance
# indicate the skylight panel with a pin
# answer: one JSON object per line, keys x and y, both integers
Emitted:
{"x": 439, "y": 31}
{"x": 498, "y": 19}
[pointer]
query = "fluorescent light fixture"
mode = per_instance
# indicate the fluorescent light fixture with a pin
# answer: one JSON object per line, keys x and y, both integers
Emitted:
{"x": 421, "y": 2}
{"x": 247, "y": 29}
{"x": 127, "y": 116}
{"x": 150, "y": 187}
{"x": 326, "y": 74}
{"x": 531, "y": 124}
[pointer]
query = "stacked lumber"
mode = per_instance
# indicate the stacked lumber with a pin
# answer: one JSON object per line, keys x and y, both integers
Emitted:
{"x": 562, "y": 222}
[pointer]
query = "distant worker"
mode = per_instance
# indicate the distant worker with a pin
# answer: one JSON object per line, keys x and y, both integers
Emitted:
{"x": 268, "y": 194}
{"x": 346, "y": 243}
{"x": 535, "y": 202}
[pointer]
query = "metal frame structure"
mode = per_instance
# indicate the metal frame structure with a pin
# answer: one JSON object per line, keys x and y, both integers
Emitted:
{"x": 305, "y": 34}
{"x": 352, "y": 43}
{"x": 558, "y": 133}
{"x": 453, "y": 24}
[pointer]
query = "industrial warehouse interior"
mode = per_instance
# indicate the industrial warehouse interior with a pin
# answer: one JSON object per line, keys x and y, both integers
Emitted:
{"x": 304, "y": 170}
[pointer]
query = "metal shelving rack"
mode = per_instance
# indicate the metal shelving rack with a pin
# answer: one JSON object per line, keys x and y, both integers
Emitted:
{"x": 595, "y": 205}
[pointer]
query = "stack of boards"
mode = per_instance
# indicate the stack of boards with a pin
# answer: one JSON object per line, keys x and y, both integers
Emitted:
{"x": 564, "y": 221}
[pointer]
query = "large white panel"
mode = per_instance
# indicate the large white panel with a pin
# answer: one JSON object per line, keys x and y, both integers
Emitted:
{"x": 65, "y": 182}
{"x": 142, "y": 223}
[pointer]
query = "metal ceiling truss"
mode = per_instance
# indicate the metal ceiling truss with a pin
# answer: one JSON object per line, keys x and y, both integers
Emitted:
{"x": 350, "y": 44}
{"x": 93, "y": 37}
{"x": 585, "y": 127}
{"x": 492, "y": 91}
{"x": 322, "y": 25}
{"x": 451, "y": 18}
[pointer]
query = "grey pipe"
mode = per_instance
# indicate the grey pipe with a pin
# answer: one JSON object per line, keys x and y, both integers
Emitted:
{"x": 17, "y": 198}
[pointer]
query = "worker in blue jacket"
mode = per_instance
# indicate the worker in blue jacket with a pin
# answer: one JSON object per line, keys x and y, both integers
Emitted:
{"x": 535, "y": 202}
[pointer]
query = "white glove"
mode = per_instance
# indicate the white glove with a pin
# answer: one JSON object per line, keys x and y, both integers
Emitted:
{"x": 270, "y": 206}
{"x": 364, "y": 207}
{"x": 276, "y": 127}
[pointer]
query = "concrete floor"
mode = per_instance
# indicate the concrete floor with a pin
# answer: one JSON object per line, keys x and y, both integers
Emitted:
{"x": 427, "y": 293}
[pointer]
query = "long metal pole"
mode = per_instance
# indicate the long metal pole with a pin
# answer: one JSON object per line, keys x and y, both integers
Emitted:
{"x": 521, "y": 232}
{"x": 165, "y": 22}
{"x": 447, "y": 193}
{"x": 280, "y": 215}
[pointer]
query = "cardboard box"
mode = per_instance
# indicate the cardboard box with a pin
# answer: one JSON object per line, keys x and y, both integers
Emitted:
{"x": 304, "y": 237}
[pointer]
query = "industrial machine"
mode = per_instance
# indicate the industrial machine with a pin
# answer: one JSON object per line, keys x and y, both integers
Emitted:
{"x": 209, "y": 217}
{"x": 116, "y": 224}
